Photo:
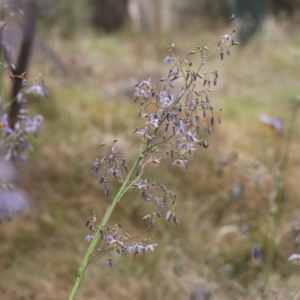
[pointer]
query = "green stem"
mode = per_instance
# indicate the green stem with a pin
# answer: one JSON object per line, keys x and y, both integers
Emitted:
{"x": 97, "y": 235}
{"x": 124, "y": 188}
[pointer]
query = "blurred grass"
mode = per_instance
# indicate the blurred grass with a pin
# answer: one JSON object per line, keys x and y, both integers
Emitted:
{"x": 40, "y": 253}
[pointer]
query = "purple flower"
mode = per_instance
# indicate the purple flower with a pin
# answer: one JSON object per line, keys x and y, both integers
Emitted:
{"x": 88, "y": 238}
{"x": 143, "y": 89}
{"x": 168, "y": 60}
{"x": 237, "y": 191}
{"x": 154, "y": 161}
{"x": 5, "y": 126}
{"x": 179, "y": 162}
{"x": 109, "y": 262}
{"x": 114, "y": 172}
{"x": 273, "y": 123}
{"x": 153, "y": 121}
{"x": 32, "y": 125}
{"x": 145, "y": 136}
{"x": 166, "y": 99}
{"x": 186, "y": 147}
{"x": 11, "y": 202}
{"x": 38, "y": 90}
{"x": 256, "y": 252}
{"x": 173, "y": 73}
{"x": 295, "y": 258}
{"x": 226, "y": 38}
{"x": 150, "y": 247}
{"x": 95, "y": 166}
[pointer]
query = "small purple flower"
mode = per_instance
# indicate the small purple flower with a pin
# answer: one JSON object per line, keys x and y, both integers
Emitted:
{"x": 95, "y": 166}
{"x": 154, "y": 161}
{"x": 256, "y": 252}
{"x": 88, "y": 238}
{"x": 273, "y": 123}
{"x": 237, "y": 191}
{"x": 186, "y": 147}
{"x": 109, "y": 262}
{"x": 32, "y": 125}
{"x": 153, "y": 121}
{"x": 168, "y": 215}
{"x": 173, "y": 73}
{"x": 114, "y": 172}
{"x": 144, "y": 135}
{"x": 294, "y": 258}
{"x": 226, "y": 38}
{"x": 38, "y": 90}
{"x": 168, "y": 60}
{"x": 143, "y": 89}
{"x": 179, "y": 162}
{"x": 150, "y": 247}
{"x": 23, "y": 158}
{"x": 166, "y": 99}
{"x": 11, "y": 202}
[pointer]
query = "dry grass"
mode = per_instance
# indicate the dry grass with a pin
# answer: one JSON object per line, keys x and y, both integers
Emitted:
{"x": 40, "y": 253}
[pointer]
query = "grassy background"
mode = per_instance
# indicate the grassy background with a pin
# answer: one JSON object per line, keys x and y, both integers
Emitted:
{"x": 92, "y": 103}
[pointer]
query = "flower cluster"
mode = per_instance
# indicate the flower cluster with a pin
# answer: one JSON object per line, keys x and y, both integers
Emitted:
{"x": 174, "y": 119}
{"x": 174, "y": 116}
{"x": 111, "y": 241}
{"x": 15, "y": 141}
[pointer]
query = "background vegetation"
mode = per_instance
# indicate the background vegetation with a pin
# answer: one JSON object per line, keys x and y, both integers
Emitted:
{"x": 210, "y": 252}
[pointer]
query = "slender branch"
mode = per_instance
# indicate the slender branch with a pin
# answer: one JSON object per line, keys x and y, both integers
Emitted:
{"x": 97, "y": 235}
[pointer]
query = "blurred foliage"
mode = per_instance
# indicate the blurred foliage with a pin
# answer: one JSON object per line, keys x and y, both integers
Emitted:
{"x": 207, "y": 253}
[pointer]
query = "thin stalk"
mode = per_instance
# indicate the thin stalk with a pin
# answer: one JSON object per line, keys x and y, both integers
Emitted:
{"x": 97, "y": 235}
{"x": 279, "y": 197}
{"x": 124, "y": 188}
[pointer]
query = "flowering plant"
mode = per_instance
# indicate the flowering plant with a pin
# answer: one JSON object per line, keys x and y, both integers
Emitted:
{"x": 15, "y": 143}
{"x": 176, "y": 111}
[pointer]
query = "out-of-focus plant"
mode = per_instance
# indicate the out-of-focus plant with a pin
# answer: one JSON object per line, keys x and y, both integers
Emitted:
{"x": 15, "y": 143}
{"x": 273, "y": 195}
{"x": 177, "y": 112}
{"x": 15, "y": 140}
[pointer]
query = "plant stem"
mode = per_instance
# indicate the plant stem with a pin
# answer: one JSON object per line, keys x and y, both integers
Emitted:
{"x": 124, "y": 188}
{"x": 97, "y": 235}
{"x": 280, "y": 194}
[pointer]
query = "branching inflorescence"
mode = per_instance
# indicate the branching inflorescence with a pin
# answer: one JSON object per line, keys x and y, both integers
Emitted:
{"x": 176, "y": 111}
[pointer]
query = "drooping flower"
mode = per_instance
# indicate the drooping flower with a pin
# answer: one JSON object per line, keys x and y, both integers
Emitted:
{"x": 32, "y": 125}
{"x": 114, "y": 172}
{"x": 226, "y": 38}
{"x": 256, "y": 252}
{"x": 144, "y": 135}
{"x": 154, "y": 161}
{"x": 295, "y": 258}
{"x": 168, "y": 60}
{"x": 273, "y": 123}
{"x": 38, "y": 90}
{"x": 186, "y": 147}
{"x": 179, "y": 162}
{"x": 88, "y": 238}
